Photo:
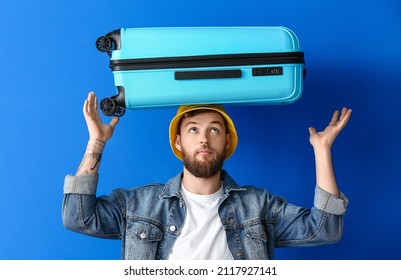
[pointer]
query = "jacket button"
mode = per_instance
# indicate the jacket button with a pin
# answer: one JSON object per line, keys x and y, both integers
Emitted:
{"x": 142, "y": 235}
{"x": 172, "y": 228}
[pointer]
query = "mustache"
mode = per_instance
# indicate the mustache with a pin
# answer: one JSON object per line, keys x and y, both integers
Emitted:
{"x": 205, "y": 147}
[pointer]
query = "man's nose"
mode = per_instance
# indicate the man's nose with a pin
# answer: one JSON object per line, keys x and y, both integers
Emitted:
{"x": 204, "y": 139}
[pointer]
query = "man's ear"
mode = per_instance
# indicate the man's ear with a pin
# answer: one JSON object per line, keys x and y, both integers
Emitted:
{"x": 228, "y": 144}
{"x": 177, "y": 142}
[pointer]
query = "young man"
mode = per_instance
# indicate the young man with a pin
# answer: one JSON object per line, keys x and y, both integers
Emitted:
{"x": 202, "y": 213}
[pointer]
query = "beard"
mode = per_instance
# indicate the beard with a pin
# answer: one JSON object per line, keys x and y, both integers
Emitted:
{"x": 203, "y": 169}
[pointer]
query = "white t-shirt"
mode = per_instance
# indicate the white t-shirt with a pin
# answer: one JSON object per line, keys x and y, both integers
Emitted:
{"x": 202, "y": 236}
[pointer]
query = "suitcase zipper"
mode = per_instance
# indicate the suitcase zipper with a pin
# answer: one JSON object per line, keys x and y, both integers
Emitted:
{"x": 207, "y": 61}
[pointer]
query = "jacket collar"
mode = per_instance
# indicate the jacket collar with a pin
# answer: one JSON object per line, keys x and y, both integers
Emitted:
{"x": 173, "y": 186}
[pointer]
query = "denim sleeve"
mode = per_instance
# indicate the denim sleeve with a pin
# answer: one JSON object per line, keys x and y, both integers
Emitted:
{"x": 330, "y": 203}
{"x": 84, "y": 212}
{"x": 301, "y": 227}
{"x": 83, "y": 184}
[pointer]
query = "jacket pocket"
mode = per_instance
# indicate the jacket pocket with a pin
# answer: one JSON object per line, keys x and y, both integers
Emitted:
{"x": 256, "y": 231}
{"x": 255, "y": 240}
{"x": 142, "y": 240}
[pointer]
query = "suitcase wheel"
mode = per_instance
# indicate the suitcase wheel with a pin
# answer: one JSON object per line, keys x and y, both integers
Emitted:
{"x": 120, "y": 111}
{"x": 109, "y": 107}
{"x": 104, "y": 44}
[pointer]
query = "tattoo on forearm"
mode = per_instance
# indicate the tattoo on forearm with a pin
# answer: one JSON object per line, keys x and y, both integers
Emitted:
{"x": 91, "y": 160}
{"x": 96, "y": 158}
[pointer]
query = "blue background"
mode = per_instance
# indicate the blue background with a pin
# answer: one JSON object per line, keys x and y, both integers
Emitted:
{"x": 49, "y": 63}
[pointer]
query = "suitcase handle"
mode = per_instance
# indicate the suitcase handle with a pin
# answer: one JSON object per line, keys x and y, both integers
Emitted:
{"x": 215, "y": 74}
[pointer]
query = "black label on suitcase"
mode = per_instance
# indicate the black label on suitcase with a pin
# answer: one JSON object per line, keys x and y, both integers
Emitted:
{"x": 267, "y": 71}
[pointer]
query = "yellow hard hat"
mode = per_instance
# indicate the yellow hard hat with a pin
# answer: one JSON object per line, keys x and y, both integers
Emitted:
{"x": 212, "y": 107}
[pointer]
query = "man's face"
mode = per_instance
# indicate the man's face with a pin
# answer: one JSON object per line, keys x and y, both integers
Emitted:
{"x": 203, "y": 142}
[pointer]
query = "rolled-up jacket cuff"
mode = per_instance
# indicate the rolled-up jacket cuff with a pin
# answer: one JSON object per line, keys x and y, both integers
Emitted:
{"x": 330, "y": 203}
{"x": 82, "y": 184}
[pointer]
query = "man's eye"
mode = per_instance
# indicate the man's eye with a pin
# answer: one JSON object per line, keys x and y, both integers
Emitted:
{"x": 214, "y": 130}
{"x": 192, "y": 129}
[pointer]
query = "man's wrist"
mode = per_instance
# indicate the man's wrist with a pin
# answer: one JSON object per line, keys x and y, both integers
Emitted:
{"x": 91, "y": 160}
{"x": 95, "y": 146}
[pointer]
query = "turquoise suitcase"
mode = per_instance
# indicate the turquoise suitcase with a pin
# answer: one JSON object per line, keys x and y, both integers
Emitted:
{"x": 170, "y": 66}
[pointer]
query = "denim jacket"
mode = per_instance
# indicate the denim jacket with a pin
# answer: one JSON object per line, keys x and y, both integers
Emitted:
{"x": 148, "y": 219}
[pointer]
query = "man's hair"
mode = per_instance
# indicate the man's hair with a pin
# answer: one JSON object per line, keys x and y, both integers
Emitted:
{"x": 197, "y": 112}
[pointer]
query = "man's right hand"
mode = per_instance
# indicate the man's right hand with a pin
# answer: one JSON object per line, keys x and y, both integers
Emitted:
{"x": 97, "y": 129}
{"x": 99, "y": 133}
